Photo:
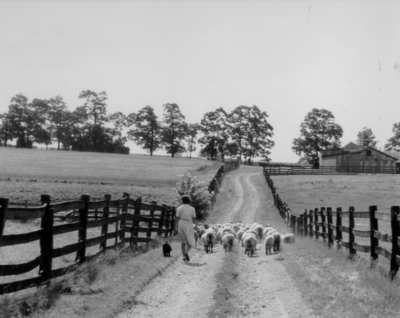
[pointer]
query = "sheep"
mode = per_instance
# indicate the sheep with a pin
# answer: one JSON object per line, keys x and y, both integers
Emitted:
{"x": 288, "y": 238}
{"x": 248, "y": 234}
{"x": 269, "y": 244}
{"x": 277, "y": 241}
{"x": 259, "y": 230}
{"x": 250, "y": 244}
{"x": 209, "y": 239}
{"x": 239, "y": 235}
{"x": 227, "y": 241}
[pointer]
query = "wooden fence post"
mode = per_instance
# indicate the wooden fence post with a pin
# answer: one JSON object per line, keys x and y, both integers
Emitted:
{"x": 339, "y": 236}
{"x": 330, "y": 231}
{"x": 316, "y": 223}
{"x": 162, "y": 218}
{"x": 323, "y": 221}
{"x": 173, "y": 214}
{"x": 305, "y": 226}
{"x": 106, "y": 215}
{"x": 135, "y": 223}
{"x": 46, "y": 240}
{"x": 116, "y": 224}
{"x": 352, "y": 250}
{"x": 150, "y": 224}
{"x": 311, "y": 213}
{"x": 82, "y": 232}
{"x": 125, "y": 211}
{"x": 373, "y": 226}
{"x": 394, "y": 267}
{"x": 3, "y": 211}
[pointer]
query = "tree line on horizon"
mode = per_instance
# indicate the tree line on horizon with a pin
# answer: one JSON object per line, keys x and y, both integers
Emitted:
{"x": 244, "y": 132}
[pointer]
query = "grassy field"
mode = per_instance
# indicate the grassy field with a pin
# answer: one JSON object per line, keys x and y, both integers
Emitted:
{"x": 335, "y": 286}
{"x": 25, "y": 174}
{"x": 360, "y": 191}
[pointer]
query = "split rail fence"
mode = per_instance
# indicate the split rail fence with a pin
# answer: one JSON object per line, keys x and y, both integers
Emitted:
{"x": 328, "y": 170}
{"x": 132, "y": 222}
{"x": 340, "y": 227}
{"x": 122, "y": 221}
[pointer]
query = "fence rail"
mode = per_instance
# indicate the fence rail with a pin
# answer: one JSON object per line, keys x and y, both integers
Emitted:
{"x": 129, "y": 217}
{"x": 327, "y": 170}
{"x": 133, "y": 221}
{"x": 319, "y": 223}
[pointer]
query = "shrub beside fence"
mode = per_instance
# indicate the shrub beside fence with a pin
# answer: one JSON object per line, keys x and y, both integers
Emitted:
{"x": 330, "y": 226}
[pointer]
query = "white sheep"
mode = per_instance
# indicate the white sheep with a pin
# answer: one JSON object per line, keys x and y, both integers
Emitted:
{"x": 288, "y": 238}
{"x": 227, "y": 241}
{"x": 269, "y": 244}
{"x": 277, "y": 241}
{"x": 209, "y": 240}
{"x": 250, "y": 244}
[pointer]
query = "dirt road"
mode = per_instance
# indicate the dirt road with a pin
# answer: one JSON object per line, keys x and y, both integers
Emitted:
{"x": 259, "y": 286}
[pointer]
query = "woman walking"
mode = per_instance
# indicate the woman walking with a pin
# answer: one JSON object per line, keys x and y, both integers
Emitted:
{"x": 184, "y": 220}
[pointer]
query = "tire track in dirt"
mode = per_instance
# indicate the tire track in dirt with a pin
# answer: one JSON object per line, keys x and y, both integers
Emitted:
{"x": 262, "y": 287}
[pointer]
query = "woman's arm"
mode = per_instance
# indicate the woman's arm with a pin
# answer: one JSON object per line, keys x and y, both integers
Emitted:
{"x": 194, "y": 220}
{"x": 177, "y": 218}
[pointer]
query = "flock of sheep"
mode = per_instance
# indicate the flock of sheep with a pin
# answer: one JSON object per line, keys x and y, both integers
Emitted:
{"x": 247, "y": 235}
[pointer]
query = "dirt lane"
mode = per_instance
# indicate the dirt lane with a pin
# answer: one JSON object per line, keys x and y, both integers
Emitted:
{"x": 262, "y": 287}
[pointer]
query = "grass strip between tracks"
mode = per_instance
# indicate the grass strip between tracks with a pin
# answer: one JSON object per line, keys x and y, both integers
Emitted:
{"x": 224, "y": 300}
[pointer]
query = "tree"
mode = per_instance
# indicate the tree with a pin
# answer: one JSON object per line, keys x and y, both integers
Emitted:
{"x": 174, "y": 130}
{"x": 58, "y": 115}
{"x": 28, "y": 121}
{"x": 192, "y": 130}
{"x": 394, "y": 142}
{"x": 366, "y": 138}
{"x": 215, "y": 131}
{"x": 147, "y": 130}
{"x": 250, "y": 128}
{"x": 95, "y": 115}
{"x": 318, "y": 132}
{"x": 5, "y": 129}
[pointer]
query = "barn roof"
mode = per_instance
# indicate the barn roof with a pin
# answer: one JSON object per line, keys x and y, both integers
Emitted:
{"x": 359, "y": 150}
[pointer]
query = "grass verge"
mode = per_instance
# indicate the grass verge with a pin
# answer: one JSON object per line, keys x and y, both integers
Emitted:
{"x": 224, "y": 300}
{"x": 336, "y": 286}
{"x": 100, "y": 288}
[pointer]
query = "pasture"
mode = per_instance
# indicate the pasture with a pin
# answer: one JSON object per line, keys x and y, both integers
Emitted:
{"x": 65, "y": 175}
{"x": 359, "y": 191}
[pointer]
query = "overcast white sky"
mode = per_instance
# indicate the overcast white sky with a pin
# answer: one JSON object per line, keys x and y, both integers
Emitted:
{"x": 286, "y": 57}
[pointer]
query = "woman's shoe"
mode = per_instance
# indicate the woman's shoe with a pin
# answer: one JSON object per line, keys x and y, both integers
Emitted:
{"x": 187, "y": 257}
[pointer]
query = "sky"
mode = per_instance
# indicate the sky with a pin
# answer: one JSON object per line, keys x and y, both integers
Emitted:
{"x": 286, "y": 57}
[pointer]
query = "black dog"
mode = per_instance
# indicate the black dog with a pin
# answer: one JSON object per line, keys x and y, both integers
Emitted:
{"x": 166, "y": 249}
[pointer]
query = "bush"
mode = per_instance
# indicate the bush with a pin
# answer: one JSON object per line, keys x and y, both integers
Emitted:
{"x": 198, "y": 193}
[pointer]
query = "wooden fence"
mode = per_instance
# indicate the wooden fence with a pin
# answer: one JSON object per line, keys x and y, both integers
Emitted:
{"x": 327, "y": 170}
{"x": 133, "y": 222}
{"x": 331, "y": 225}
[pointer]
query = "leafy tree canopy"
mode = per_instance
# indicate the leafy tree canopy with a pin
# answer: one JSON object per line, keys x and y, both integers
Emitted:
{"x": 394, "y": 142}
{"x": 366, "y": 138}
{"x": 318, "y": 132}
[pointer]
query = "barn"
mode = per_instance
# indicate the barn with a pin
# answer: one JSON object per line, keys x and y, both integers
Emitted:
{"x": 356, "y": 158}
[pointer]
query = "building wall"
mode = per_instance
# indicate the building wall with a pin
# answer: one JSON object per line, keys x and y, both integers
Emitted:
{"x": 328, "y": 162}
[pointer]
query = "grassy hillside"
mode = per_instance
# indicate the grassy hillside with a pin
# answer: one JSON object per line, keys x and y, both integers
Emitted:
{"x": 360, "y": 191}
{"x": 26, "y": 173}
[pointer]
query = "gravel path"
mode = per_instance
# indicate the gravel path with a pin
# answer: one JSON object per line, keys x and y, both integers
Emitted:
{"x": 262, "y": 287}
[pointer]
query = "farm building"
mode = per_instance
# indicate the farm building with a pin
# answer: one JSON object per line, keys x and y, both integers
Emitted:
{"x": 358, "y": 158}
